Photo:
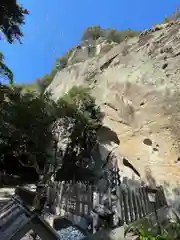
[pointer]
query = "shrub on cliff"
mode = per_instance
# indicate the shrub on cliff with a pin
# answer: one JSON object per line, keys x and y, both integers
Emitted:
{"x": 119, "y": 36}
{"x": 113, "y": 35}
{"x": 62, "y": 61}
{"x": 174, "y": 17}
{"x": 92, "y": 33}
{"x": 44, "y": 82}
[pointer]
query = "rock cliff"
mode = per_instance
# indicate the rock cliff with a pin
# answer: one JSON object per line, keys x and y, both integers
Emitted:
{"x": 137, "y": 85}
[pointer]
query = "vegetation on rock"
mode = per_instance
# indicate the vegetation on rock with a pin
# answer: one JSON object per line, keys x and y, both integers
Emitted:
{"x": 62, "y": 62}
{"x": 45, "y": 81}
{"x": 112, "y": 35}
{"x": 174, "y": 17}
{"x": 92, "y": 33}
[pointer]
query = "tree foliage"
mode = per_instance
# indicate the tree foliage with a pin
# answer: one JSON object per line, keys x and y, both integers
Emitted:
{"x": 12, "y": 17}
{"x": 5, "y": 72}
{"x": 61, "y": 62}
{"x": 92, "y": 33}
{"x": 25, "y": 121}
{"x": 83, "y": 119}
{"x": 29, "y": 124}
{"x": 113, "y": 35}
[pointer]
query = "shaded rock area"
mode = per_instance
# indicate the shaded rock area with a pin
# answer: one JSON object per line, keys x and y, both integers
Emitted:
{"x": 136, "y": 83}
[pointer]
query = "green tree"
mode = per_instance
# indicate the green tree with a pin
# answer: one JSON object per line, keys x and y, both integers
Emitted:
{"x": 25, "y": 126}
{"x": 29, "y": 124}
{"x": 114, "y": 36}
{"x": 83, "y": 119}
{"x": 111, "y": 34}
{"x": 12, "y": 17}
{"x": 119, "y": 36}
{"x": 92, "y": 33}
{"x": 4, "y": 70}
{"x": 62, "y": 62}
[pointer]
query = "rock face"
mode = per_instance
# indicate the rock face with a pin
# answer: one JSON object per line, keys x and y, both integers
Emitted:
{"x": 87, "y": 50}
{"x": 137, "y": 85}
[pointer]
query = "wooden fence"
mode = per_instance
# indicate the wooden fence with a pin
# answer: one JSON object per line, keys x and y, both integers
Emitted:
{"x": 130, "y": 202}
{"x": 71, "y": 198}
{"x": 134, "y": 204}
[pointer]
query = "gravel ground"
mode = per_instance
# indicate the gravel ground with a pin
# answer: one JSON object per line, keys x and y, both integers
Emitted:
{"x": 69, "y": 233}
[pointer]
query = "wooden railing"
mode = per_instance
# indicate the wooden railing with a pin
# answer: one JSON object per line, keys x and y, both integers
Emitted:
{"x": 131, "y": 203}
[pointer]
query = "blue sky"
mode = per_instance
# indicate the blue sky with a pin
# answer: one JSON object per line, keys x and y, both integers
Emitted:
{"x": 54, "y": 26}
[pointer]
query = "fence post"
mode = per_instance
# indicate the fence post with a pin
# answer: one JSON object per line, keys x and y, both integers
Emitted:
{"x": 163, "y": 196}
{"x": 125, "y": 203}
{"x": 90, "y": 198}
{"x": 142, "y": 201}
{"x": 145, "y": 199}
{"x": 135, "y": 204}
{"x": 96, "y": 201}
{"x": 78, "y": 199}
{"x": 130, "y": 201}
{"x": 109, "y": 197}
{"x": 158, "y": 199}
{"x": 120, "y": 205}
{"x": 139, "y": 204}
